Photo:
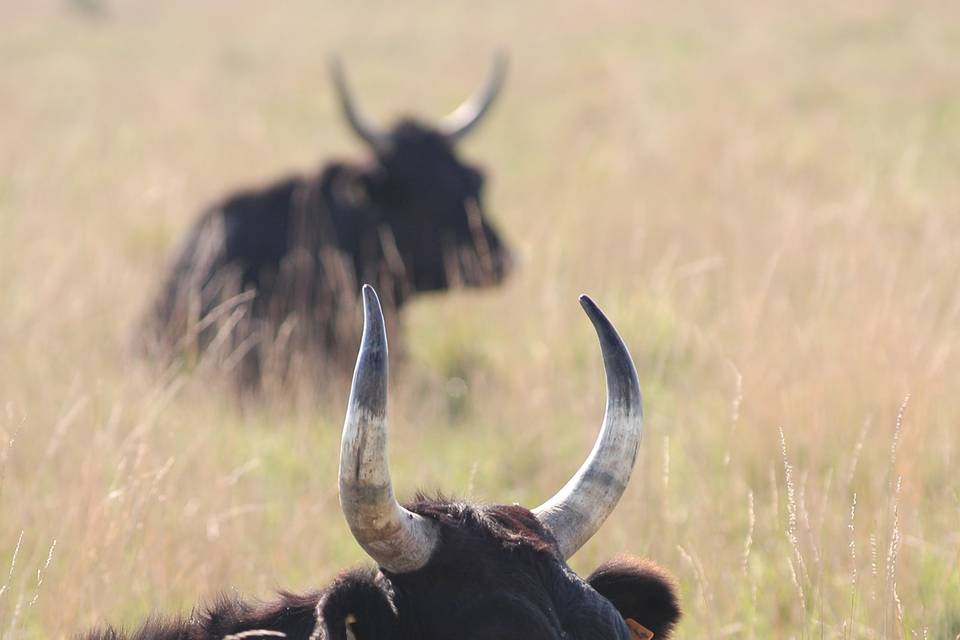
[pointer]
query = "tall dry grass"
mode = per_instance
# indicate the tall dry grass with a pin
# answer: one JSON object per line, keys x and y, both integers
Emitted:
{"x": 763, "y": 196}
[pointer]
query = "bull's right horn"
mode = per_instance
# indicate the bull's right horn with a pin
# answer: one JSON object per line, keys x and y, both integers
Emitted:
{"x": 580, "y": 507}
{"x": 465, "y": 117}
{"x": 366, "y": 130}
{"x": 398, "y": 540}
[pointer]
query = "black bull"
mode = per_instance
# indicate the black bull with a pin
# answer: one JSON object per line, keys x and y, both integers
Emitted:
{"x": 452, "y": 570}
{"x": 271, "y": 274}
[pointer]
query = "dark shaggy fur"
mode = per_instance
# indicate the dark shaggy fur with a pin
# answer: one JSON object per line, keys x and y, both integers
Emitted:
{"x": 494, "y": 575}
{"x": 267, "y": 279}
{"x": 357, "y": 593}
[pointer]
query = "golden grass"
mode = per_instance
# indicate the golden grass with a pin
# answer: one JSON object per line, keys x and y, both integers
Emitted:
{"x": 763, "y": 196}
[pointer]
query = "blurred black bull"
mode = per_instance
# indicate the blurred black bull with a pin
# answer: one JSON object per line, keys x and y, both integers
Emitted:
{"x": 267, "y": 278}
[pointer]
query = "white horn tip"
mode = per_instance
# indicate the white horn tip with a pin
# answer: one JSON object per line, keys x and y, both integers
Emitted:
{"x": 591, "y": 308}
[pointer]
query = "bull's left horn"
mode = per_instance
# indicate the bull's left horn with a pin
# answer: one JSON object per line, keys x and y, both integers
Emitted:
{"x": 467, "y": 115}
{"x": 398, "y": 540}
{"x": 366, "y": 130}
{"x": 580, "y": 507}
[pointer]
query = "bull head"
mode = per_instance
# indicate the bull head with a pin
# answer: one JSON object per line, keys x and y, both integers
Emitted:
{"x": 401, "y": 541}
{"x": 428, "y": 202}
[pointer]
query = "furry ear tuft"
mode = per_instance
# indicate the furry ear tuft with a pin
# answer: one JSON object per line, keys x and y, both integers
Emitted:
{"x": 641, "y": 590}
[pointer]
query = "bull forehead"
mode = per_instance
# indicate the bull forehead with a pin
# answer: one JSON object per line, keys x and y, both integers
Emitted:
{"x": 510, "y": 526}
{"x": 410, "y": 140}
{"x": 412, "y": 129}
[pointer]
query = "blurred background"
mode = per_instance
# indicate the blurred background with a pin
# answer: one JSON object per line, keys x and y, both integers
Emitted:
{"x": 762, "y": 195}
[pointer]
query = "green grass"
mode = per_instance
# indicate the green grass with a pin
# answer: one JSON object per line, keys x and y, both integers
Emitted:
{"x": 763, "y": 196}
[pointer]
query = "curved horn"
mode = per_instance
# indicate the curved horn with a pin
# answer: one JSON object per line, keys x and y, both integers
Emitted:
{"x": 580, "y": 507}
{"x": 467, "y": 115}
{"x": 367, "y": 131}
{"x": 398, "y": 540}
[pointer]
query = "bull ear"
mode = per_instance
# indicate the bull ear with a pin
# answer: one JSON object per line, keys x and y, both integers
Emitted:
{"x": 641, "y": 591}
{"x": 356, "y": 607}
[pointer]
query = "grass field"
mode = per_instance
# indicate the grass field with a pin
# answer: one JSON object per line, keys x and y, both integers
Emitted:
{"x": 764, "y": 197}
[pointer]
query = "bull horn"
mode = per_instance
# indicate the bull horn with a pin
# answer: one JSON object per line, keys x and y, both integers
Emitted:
{"x": 580, "y": 507}
{"x": 456, "y": 125}
{"x": 398, "y": 540}
{"x": 366, "y": 130}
